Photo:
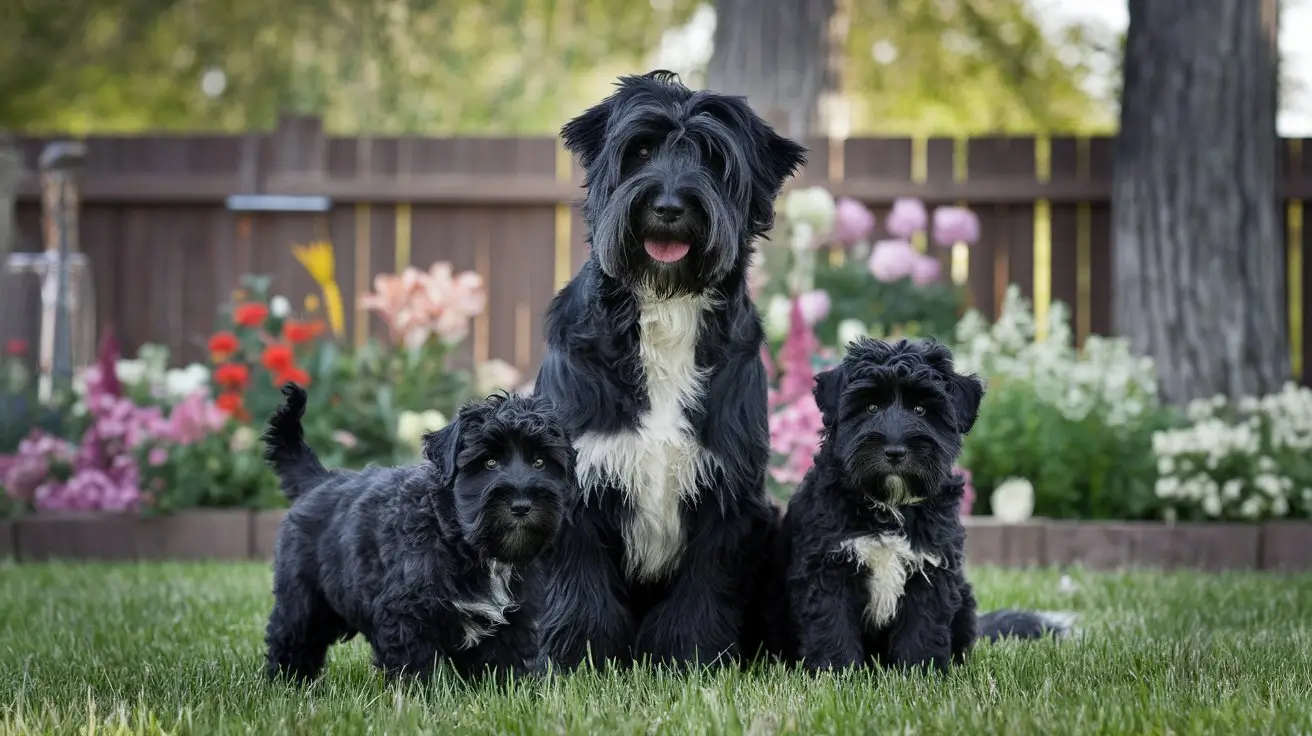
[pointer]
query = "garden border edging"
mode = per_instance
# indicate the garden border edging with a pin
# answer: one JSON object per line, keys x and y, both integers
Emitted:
{"x": 242, "y": 534}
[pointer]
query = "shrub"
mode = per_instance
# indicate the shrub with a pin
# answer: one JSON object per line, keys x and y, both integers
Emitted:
{"x": 1249, "y": 459}
{"x": 1077, "y": 424}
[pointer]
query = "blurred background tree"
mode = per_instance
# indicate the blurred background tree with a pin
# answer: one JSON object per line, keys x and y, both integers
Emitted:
{"x": 523, "y": 66}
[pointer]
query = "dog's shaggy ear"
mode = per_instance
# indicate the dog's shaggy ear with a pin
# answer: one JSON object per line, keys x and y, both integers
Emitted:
{"x": 585, "y": 135}
{"x": 965, "y": 392}
{"x": 441, "y": 448}
{"x": 828, "y": 393}
{"x": 780, "y": 158}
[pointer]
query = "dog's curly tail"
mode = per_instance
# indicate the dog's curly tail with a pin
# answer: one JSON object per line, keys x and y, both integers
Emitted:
{"x": 285, "y": 450}
{"x": 1007, "y": 622}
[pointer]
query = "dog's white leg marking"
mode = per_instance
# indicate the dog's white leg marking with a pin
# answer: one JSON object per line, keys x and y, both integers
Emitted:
{"x": 482, "y": 617}
{"x": 660, "y": 463}
{"x": 888, "y": 561}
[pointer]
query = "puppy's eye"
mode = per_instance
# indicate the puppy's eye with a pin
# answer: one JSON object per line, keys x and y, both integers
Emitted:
{"x": 538, "y": 463}
{"x": 872, "y": 409}
{"x": 919, "y": 410}
{"x": 644, "y": 152}
{"x": 490, "y": 464}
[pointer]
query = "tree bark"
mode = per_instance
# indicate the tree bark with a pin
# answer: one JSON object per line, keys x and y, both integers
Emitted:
{"x": 783, "y": 55}
{"x": 1198, "y": 250}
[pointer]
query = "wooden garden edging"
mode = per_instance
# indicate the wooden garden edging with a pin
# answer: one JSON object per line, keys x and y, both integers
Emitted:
{"x": 238, "y": 534}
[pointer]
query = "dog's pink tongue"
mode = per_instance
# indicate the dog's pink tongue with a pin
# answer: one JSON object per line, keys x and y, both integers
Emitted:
{"x": 666, "y": 252}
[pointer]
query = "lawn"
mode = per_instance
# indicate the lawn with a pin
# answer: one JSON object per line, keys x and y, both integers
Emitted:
{"x": 177, "y": 649}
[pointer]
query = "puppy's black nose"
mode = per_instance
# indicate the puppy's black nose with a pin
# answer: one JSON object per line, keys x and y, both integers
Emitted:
{"x": 521, "y": 506}
{"x": 895, "y": 453}
{"x": 668, "y": 207}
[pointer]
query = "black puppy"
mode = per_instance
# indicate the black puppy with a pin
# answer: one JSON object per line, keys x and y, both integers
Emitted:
{"x": 872, "y": 545}
{"x": 653, "y": 356}
{"x": 424, "y": 561}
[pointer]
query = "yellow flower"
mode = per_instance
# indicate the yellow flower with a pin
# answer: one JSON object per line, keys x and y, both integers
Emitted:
{"x": 317, "y": 258}
{"x": 311, "y": 303}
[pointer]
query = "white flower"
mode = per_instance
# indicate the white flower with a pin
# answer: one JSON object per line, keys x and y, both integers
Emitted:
{"x": 1212, "y": 506}
{"x": 849, "y": 330}
{"x": 813, "y": 206}
{"x": 411, "y": 427}
{"x": 279, "y": 307}
{"x": 777, "y": 315}
{"x": 1013, "y": 500}
{"x": 180, "y": 383}
{"x": 130, "y": 372}
{"x": 495, "y": 374}
{"x": 243, "y": 439}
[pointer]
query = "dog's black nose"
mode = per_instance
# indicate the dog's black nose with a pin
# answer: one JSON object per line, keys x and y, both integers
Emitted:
{"x": 668, "y": 207}
{"x": 521, "y": 506}
{"x": 895, "y": 453}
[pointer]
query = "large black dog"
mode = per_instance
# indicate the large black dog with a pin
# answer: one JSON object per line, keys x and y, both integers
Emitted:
{"x": 653, "y": 356}
{"x": 424, "y": 561}
{"x": 872, "y": 545}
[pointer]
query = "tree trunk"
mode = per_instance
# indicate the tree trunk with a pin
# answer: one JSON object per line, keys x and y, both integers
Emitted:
{"x": 1198, "y": 256}
{"x": 783, "y": 55}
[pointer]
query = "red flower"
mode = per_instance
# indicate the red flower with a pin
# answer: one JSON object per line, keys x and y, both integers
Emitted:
{"x": 232, "y": 404}
{"x": 233, "y": 376}
{"x": 278, "y": 358}
{"x": 293, "y": 375}
{"x": 299, "y": 332}
{"x": 250, "y": 315}
{"x": 16, "y": 347}
{"x": 223, "y": 345}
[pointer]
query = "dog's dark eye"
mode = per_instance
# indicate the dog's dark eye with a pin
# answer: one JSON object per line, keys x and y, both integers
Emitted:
{"x": 538, "y": 463}
{"x": 919, "y": 410}
{"x": 644, "y": 152}
{"x": 490, "y": 464}
{"x": 872, "y": 409}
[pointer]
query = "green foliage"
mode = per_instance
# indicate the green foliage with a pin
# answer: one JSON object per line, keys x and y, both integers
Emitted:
{"x": 1080, "y": 468}
{"x": 223, "y": 470}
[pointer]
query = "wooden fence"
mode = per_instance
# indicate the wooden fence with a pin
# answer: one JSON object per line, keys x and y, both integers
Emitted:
{"x": 165, "y": 250}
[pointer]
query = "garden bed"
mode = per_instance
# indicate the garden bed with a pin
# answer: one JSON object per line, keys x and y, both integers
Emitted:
{"x": 240, "y": 534}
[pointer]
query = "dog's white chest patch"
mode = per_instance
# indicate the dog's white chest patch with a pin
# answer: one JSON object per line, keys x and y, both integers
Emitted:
{"x": 481, "y": 617}
{"x": 659, "y": 463}
{"x": 888, "y": 561}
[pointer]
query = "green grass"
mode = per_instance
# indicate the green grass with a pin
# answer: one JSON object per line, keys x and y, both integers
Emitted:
{"x": 177, "y": 649}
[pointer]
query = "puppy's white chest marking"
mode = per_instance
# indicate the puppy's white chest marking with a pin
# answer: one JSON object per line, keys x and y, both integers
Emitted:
{"x": 888, "y": 561}
{"x": 660, "y": 463}
{"x": 481, "y": 617}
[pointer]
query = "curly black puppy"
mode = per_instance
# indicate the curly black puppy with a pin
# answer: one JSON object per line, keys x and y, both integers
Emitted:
{"x": 424, "y": 561}
{"x": 872, "y": 545}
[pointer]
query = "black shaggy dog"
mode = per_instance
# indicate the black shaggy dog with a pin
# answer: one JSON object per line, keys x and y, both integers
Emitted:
{"x": 653, "y": 356}
{"x": 424, "y": 561}
{"x": 872, "y": 545}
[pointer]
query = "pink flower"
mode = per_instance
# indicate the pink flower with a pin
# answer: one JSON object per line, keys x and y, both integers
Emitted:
{"x": 158, "y": 456}
{"x": 345, "y": 439}
{"x": 194, "y": 418}
{"x": 907, "y": 218}
{"x": 892, "y": 260}
{"x": 925, "y": 270}
{"x": 800, "y": 345}
{"x": 795, "y": 434}
{"x": 968, "y": 498}
{"x": 815, "y": 306}
{"x": 416, "y": 304}
{"x": 852, "y": 221}
{"x": 955, "y": 225}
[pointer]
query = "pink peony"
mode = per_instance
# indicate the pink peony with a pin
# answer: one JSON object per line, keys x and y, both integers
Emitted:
{"x": 954, "y": 225}
{"x": 925, "y": 270}
{"x": 852, "y": 221}
{"x": 892, "y": 260}
{"x": 907, "y": 218}
{"x": 345, "y": 439}
{"x": 814, "y": 306}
